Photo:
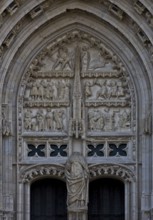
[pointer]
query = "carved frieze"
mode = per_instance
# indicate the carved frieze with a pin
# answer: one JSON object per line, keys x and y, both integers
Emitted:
{"x": 44, "y": 120}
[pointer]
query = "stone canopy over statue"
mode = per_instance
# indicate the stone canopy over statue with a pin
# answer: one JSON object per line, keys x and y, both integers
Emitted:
{"x": 76, "y": 172}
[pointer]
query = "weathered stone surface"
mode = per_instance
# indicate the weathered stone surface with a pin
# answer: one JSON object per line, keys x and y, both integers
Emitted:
{"x": 76, "y": 79}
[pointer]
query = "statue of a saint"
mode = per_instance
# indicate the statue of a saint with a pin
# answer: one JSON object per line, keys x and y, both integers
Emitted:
{"x": 77, "y": 182}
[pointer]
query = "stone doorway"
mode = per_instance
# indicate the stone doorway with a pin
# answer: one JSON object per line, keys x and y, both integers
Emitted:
{"x": 106, "y": 200}
{"x": 48, "y": 200}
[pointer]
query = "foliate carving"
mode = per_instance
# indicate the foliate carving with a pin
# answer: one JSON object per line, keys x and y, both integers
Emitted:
{"x": 76, "y": 172}
{"x": 34, "y": 172}
{"x": 113, "y": 170}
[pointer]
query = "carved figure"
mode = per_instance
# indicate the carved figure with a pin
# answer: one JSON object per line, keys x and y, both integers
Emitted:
{"x": 111, "y": 88}
{"x": 92, "y": 122}
{"x": 77, "y": 178}
{"x": 40, "y": 120}
{"x": 96, "y": 120}
{"x": 120, "y": 90}
{"x": 67, "y": 91}
{"x": 61, "y": 89}
{"x": 28, "y": 120}
{"x": 100, "y": 122}
{"x": 40, "y": 90}
{"x": 85, "y": 57}
{"x": 102, "y": 92}
{"x": 58, "y": 118}
{"x": 48, "y": 91}
{"x": 34, "y": 91}
{"x": 88, "y": 91}
{"x": 6, "y": 130}
{"x": 124, "y": 119}
{"x": 49, "y": 119}
{"x": 109, "y": 119}
{"x": 54, "y": 88}
{"x": 35, "y": 66}
{"x": 63, "y": 59}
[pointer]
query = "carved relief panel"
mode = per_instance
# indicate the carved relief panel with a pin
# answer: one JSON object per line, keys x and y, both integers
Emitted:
{"x": 75, "y": 87}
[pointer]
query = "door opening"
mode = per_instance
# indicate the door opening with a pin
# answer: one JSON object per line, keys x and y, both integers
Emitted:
{"x": 48, "y": 200}
{"x": 106, "y": 200}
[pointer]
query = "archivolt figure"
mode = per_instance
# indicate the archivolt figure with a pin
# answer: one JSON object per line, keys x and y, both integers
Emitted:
{"x": 77, "y": 182}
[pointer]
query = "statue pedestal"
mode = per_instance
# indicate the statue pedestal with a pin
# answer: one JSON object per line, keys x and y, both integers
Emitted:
{"x": 80, "y": 214}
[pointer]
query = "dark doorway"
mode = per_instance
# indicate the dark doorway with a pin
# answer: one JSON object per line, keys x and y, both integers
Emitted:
{"x": 106, "y": 200}
{"x": 48, "y": 200}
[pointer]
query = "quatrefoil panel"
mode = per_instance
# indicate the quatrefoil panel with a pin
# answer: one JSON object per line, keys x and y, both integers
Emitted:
{"x": 58, "y": 150}
{"x": 117, "y": 150}
{"x": 36, "y": 150}
{"x": 96, "y": 150}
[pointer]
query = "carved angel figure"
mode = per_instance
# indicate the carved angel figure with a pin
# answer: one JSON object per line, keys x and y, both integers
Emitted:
{"x": 76, "y": 172}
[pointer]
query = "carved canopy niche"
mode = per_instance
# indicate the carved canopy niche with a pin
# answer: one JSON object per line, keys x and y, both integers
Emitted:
{"x": 75, "y": 87}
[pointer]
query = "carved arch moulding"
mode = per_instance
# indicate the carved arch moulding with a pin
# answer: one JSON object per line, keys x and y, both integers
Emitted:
{"x": 35, "y": 172}
{"x": 119, "y": 171}
{"x": 76, "y": 87}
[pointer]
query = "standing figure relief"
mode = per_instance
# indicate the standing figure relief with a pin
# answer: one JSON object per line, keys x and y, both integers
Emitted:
{"x": 44, "y": 120}
{"x": 77, "y": 179}
{"x": 49, "y": 90}
{"x": 110, "y": 89}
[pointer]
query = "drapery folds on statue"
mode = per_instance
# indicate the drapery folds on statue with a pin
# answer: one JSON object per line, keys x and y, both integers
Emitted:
{"x": 77, "y": 173}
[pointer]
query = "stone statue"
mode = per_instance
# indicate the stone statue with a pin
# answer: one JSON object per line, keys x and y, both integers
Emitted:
{"x": 49, "y": 119}
{"x": 124, "y": 119}
{"x": 40, "y": 120}
{"x": 58, "y": 118}
{"x": 34, "y": 91}
{"x": 6, "y": 128}
{"x": 88, "y": 92}
{"x": 28, "y": 119}
{"x": 76, "y": 172}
